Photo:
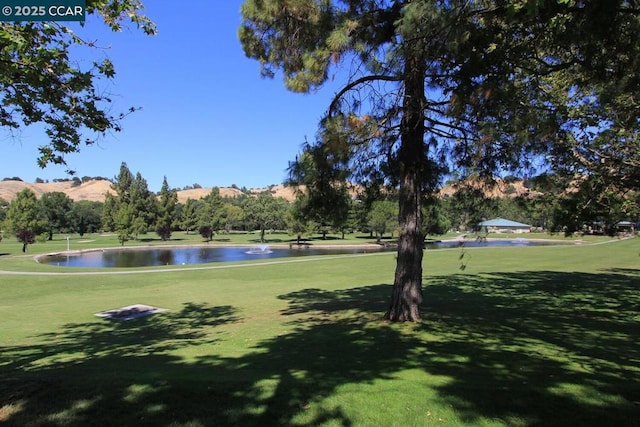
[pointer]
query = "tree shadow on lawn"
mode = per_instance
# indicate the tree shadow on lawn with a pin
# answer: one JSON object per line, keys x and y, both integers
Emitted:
{"x": 528, "y": 348}
{"x": 87, "y": 373}
{"x": 127, "y": 373}
{"x": 531, "y": 348}
{"x": 546, "y": 348}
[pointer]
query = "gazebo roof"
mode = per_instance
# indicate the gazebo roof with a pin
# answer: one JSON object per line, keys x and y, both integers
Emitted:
{"x": 501, "y": 222}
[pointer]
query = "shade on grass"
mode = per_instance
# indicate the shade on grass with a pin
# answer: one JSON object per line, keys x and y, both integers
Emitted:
{"x": 522, "y": 336}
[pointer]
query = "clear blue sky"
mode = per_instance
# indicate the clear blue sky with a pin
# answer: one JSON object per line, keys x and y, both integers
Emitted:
{"x": 207, "y": 116}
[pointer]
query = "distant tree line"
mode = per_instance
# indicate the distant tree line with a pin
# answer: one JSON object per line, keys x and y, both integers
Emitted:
{"x": 74, "y": 179}
{"x": 134, "y": 211}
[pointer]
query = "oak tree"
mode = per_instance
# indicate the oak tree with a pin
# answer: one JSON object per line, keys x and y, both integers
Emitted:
{"x": 211, "y": 213}
{"x": 87, "y": 216}
{"x": 25, "y": 218}
{"x": 57, "y": 208}
{"x": 383, "y": 217}
{"x": 265, "y": 212}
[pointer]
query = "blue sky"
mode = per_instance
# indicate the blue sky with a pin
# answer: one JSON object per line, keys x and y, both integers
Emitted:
{"x": 207, "y": 116}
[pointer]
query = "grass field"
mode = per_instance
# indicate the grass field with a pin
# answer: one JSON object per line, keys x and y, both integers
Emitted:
{"x": 523, "y": 336}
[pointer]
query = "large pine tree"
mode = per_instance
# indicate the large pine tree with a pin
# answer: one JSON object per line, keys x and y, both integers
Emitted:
{"x": 476, "y": 86}
{"x": 166, "y": 210}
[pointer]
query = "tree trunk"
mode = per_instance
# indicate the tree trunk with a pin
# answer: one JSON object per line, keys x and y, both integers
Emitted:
{"x": 406, "y": 296}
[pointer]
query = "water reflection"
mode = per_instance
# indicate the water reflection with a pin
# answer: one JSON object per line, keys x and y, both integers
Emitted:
{"x": 480, "y": 243}
{"x": 150, "y": 257}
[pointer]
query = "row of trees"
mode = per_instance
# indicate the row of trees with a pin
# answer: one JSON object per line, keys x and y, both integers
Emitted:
{"x": 134, "y": 211}
{"x": 28, "y": 217}
{"x": 75, "y": 181}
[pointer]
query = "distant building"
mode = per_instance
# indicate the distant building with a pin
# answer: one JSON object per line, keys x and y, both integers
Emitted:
{"x": 626, "y": 227}
{"x": 501, "y": 225}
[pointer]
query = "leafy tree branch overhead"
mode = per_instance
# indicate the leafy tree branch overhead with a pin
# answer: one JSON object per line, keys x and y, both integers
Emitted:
{"x": 41, "y": 83}
{"x": 472, "y": 86}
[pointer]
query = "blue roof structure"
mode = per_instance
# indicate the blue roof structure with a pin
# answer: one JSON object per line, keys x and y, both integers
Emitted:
{"x": 503, "y": 223}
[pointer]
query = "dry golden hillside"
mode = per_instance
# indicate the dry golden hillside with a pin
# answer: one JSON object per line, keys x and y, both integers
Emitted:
{"x": 90, "y": 190}
{"x": 286, "y": 193}
{"x": 199, "y": 193}
{"x": 500, "y": 189}
{"x": 95, "y": 190}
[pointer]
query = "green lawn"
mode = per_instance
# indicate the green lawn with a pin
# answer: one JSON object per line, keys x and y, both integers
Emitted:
{"x": 530, "y": 336}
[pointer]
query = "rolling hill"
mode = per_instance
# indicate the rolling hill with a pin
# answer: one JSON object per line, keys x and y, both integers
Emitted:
{"x": 95, "y": 190}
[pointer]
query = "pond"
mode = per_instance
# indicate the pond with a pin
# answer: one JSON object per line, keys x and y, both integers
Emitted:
{"x": 150, "y": 257}
{"x": 480, "y": 243}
